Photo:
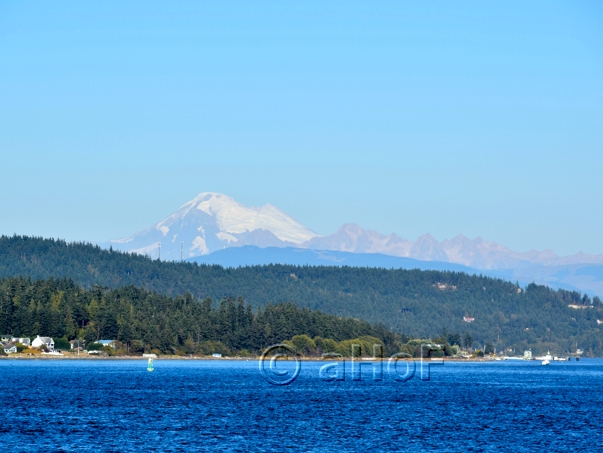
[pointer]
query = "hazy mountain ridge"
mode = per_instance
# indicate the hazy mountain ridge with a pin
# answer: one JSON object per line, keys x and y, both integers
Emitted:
{"x": 576, "y": 277}
{"x": 256, "y": 256}
{"x": 213, "y": 221}
{"x": 476, "y": 253}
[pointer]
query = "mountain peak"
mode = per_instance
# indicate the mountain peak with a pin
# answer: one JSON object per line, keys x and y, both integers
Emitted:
{"x": 212, "y": 221}
{"x": 350, "y": 228}
{"x": 427, "y": 237}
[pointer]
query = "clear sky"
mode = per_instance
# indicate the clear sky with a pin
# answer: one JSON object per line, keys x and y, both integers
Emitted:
{"x": 443, "y": 117}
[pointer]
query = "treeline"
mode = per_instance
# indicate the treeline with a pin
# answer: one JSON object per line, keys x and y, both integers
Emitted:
{"x": 147, "y": 321}
{"x": 417, "y": 303}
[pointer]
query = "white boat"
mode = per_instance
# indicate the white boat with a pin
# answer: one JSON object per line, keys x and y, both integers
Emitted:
{"x": 52, "y": 353}
{"x": 548, "y": 357}
{"x": 546, "y": 362}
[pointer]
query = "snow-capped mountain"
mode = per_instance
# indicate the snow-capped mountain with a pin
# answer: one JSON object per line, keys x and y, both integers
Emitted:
{"x": 476, "y": 253}
{"x": 213, "y": 221}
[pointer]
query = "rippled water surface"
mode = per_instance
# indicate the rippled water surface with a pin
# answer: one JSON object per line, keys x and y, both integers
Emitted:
{"x": 117, "y": 406}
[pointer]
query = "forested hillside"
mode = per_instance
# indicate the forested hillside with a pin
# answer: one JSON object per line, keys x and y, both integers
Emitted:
{"x": 145, "y": 320}
{"x": 416, "y": 303}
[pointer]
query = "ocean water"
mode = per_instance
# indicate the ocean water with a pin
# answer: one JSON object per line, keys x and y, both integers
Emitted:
{"x": 117, "y": 406}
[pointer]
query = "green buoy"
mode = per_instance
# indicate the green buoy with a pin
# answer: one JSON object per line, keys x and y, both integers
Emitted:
{"x": 150, "y": 365}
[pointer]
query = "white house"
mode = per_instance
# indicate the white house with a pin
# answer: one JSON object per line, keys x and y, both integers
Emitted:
{"x": 23, "y": 341}
{"x": 43, "y": 341}
{"x": 9, "y": 348}
{"x": 107, "y": 343}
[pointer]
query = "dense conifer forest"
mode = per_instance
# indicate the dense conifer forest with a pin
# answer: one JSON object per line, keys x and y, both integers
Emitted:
{"x": 146, "y": 321}
{"x": 411, "y": 302}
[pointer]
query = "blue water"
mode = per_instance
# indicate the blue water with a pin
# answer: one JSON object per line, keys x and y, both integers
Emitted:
{"x": 117, "y": 406}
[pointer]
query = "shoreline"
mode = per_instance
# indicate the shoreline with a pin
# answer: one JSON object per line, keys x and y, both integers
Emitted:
{"x": 255, "y": 358}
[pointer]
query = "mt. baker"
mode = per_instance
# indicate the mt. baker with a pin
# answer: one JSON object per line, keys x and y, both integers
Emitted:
{"x": 213, "y": 221}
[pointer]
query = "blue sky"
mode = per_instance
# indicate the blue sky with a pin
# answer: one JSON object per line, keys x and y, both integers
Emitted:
{"x": 440, "y": 117}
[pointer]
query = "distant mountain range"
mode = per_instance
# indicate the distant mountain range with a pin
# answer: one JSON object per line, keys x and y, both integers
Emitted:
{"x": 212, "y": 222}
{"x": 475, "y": 253}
